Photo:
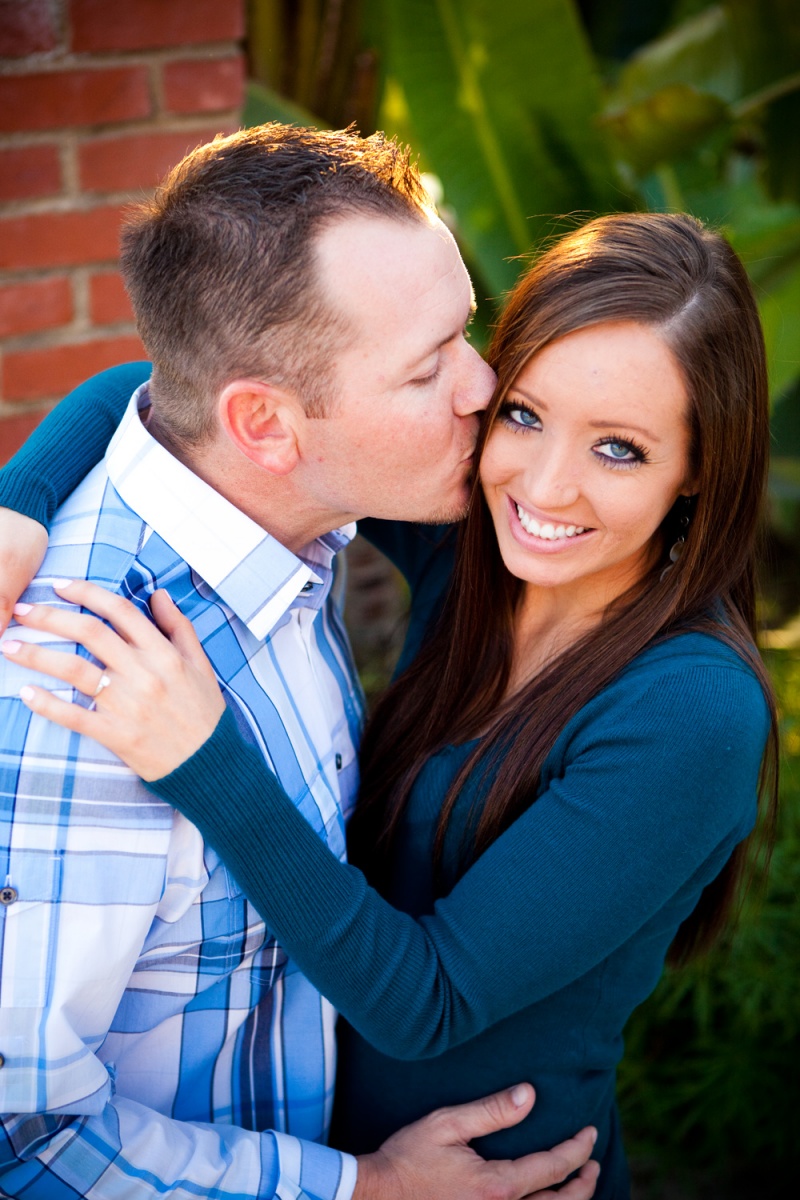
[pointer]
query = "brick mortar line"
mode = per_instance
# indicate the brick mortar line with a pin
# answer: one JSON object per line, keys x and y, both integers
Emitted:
{"x": 11, "y": 68}
{"x": 77, "y": 333}
{"x": 160, "y": 122}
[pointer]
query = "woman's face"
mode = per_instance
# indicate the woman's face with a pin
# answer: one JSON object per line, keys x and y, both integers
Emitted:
{"x": 588, "y": 454}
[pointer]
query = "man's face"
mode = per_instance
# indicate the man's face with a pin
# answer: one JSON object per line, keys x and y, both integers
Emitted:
{"x": 398, "y": 437}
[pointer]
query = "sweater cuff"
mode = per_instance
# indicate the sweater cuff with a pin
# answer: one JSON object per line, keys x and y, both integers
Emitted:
{"x": 22, "y": 492}
{"x": 194, "y": 786}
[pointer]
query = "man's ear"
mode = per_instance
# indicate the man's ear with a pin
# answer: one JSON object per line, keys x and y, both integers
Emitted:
{"x": 262, "y": 421}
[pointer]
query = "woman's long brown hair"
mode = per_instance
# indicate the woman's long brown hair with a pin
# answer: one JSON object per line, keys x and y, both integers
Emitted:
{"x": 670, "y": 273}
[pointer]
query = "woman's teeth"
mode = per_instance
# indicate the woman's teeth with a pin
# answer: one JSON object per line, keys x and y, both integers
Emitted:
{"x": 550, "y": 533}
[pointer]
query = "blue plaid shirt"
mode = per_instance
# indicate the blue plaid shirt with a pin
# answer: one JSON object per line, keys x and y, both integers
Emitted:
{"x": 155, "y": 1039}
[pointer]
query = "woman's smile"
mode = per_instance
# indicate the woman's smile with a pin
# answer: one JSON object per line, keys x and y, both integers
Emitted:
{"x": 559, "y": 533}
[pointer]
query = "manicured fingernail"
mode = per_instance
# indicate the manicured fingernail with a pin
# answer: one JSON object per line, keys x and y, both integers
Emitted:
{"x": 520, "y": 1095}
{"x": 594, "y": 1136}
{"x": 10, "y": 647}
{"x": 22, "y": 610}
{"x": 26, "y": 693}
{"x": 60, "y": 584}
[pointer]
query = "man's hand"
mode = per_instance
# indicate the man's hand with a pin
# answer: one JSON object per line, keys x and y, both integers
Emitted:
{"x": 23, "y": 543}
{"x": 431, "y": 1159}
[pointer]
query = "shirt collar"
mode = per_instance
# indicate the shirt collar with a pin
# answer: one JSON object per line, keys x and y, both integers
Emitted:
{"x": 252, "y": 572}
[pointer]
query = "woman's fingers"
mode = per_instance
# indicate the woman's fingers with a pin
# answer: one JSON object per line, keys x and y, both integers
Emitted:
{"x": 71, "y": 716}
{"x": 129, "y": 622}
{"x": 162, "y": 700}
{"x": 179, "y": 630}
{"x": 78, "y": 672}
{"x": 111, "y": 731}
{"x": 75, "y": 626}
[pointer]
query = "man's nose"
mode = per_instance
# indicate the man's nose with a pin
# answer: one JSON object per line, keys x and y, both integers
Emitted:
{"x": 476, "y": 384}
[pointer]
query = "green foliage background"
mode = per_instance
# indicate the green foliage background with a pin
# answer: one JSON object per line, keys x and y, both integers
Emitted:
{"x": 534, "y": 115}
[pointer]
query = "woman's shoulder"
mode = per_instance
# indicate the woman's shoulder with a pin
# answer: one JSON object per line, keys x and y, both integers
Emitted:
{"x": 689, "y": 650}
{"x": 695, "y": 682}
{"x": 682, "y": 728}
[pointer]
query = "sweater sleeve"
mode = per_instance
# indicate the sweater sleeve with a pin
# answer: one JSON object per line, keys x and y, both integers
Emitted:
{"x": 658, "y": 779}
{"x": 424, "y": 555}
{"x": 68, "y": 443}
{"x": 416, "y": 550}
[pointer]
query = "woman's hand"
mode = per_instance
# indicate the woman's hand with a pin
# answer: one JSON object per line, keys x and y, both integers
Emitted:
{"x": 156, "y": 701}
{"x": 23, "y": 544}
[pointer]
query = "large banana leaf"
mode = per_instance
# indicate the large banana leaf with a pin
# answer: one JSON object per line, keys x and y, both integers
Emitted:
{"x": 501, "y": 101}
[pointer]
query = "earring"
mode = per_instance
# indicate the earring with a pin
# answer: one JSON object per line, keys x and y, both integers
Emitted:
{"x": 676, "y": 549}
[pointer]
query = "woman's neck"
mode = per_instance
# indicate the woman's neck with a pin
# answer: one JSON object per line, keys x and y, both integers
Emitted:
{"x": 548, "y": 622}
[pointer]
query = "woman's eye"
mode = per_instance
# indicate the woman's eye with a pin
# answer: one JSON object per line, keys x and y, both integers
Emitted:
{"x": 523, "y": 418}
{"x": 615, "y": 451}
{"x": 618, "y": 450}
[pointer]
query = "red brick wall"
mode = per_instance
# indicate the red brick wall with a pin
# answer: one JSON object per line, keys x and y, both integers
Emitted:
{"x": 97, "y": 101}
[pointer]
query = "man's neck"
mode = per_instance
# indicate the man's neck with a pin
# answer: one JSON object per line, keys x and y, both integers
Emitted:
{"x": 272, "y": 502}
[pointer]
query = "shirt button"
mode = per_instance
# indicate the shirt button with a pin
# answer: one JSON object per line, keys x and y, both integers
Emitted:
{"x": 338, "y": 762}
{"x": 307, "y": 587}
{"x": 2, "y": 1061}
{"x": 8, "y": 895}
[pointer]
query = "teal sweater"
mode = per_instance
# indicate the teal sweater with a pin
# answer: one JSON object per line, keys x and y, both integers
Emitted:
{"x": 528, "y": 966}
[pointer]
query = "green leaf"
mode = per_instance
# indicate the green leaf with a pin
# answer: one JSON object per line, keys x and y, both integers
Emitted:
{"x": 502, "y": 109}
{"x": 700, "y": 52}
{"x": 262, "y": 104}
{"x": 664, "y": 125}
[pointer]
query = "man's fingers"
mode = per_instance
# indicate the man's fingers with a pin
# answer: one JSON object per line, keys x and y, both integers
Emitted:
{"x": 580, "y": 1188}
{"x": 463, "y": 1122}
{"x": 546, "y": 1168}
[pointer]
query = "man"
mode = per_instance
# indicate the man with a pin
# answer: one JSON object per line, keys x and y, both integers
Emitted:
{"x": 305, "y": 313}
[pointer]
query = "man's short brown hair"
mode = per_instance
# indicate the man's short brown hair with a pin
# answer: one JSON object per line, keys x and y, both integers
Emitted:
{"x": 220, "y": 263}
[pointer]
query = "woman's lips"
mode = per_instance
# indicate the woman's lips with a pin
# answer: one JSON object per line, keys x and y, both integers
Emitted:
{"x": 544, "y": 534}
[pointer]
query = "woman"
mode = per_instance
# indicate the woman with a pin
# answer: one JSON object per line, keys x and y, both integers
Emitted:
{"x": 560, "y": 785}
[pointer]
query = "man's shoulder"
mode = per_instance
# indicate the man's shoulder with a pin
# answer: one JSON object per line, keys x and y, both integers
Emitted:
{"x": 93, "y": 527}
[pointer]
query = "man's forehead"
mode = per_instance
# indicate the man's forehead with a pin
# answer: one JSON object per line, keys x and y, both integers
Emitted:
{"x": 361, "y": 250}
{"x": 373, "y": 267}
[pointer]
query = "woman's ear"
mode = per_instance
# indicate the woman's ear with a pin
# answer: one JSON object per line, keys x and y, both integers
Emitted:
{"x": 262, "y": 421}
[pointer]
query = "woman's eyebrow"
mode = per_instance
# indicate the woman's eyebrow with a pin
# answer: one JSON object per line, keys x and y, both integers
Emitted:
{"x": 600, "y": 423}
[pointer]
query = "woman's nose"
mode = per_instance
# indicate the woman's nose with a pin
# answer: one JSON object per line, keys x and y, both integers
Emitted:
{"x": 551, "y": 482}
